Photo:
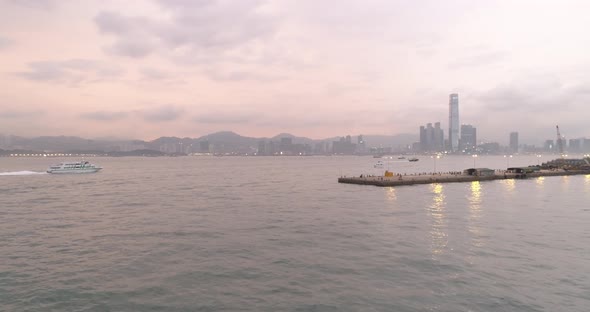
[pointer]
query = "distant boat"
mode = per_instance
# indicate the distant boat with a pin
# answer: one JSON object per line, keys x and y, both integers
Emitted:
{"x": 379, "y": 164}
{"x": 377, "y": 156}
{"x": 413, "y": 159}
{"x": 401, "y": 157}
{"x": 74, "y": 167}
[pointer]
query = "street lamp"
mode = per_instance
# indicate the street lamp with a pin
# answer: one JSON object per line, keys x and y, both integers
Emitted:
{"x": 507, "y": 160}
{"x": 474, "y": 158}
{"x": 434, "y": 159}
{"x": 538, "y": 160}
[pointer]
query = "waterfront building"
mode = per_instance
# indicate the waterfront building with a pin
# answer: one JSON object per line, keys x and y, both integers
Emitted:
{"x": 204, "y": 146}
{"x": 549, "y": 146}
{"x": 575, "y": 146}
{"x": 361, "y": 145}
{"x": 439, "y": 138}
{"x": 468, "y": 141}
{"x": 454, "y": 131}
{"x": 261, "y": 148}
{"x": 431, "y": 138}
{"x": 422, "y": 143}
{"x": 489, "y": 148}
{"x": 514, "y": 142}
{"x": 344, "y": 146}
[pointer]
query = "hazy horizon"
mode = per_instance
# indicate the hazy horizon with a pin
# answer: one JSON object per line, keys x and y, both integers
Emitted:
{"x": 315, "y": 69}
{"x": 353, "y": 136}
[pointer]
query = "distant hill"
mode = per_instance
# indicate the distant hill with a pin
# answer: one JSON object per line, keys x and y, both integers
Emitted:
{"x": 225, "y": 141}
{"x": 228, "y": 137}
{"x": 296, "y": 139}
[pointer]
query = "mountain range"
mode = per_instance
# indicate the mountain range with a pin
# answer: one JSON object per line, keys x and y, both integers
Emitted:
{"x": 224, "y": 140}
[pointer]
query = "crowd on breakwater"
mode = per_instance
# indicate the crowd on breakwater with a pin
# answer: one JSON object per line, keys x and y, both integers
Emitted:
{"x": 419, "y": 174}
{"x": 413, "y": 174}
{"x": 469, "y": 175}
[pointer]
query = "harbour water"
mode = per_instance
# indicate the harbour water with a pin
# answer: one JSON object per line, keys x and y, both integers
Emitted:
{"x": 280, "y": 234}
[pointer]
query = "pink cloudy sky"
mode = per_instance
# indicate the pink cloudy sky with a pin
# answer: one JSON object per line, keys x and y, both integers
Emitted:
{"x": 316, "y": 68}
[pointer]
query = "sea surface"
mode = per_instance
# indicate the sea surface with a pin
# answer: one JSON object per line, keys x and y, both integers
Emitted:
{"x": 280, "y": 234}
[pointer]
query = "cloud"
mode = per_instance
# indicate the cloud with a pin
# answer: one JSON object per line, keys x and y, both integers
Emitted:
{"x": 5, "y": 43}
{"x": 236, "y": 75}
{"x": 503, "y": 98}
{"x": 532, "y": 96}
{"x": 532, "y": 107}
{"x": 18, "y": 114}
{"x": 186, "y": 4}
{"x": 479, "y": 59}
{"x": 149, "y": 73}
{"x": 134, "y": 47}
{"x": 225, "y": 118}
{"x": 36, "y": 4}
{"x": 272, "y": 119}
{"x": 163, "y": 113}
{"x": 196, "y": 27}
{"x": 71, "y": 71}
{"x": 151, "y": 76}
{"x": 104, "y": 115}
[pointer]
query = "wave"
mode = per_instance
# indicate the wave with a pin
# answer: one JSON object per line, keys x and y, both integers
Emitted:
{"x": 21, "y": 173}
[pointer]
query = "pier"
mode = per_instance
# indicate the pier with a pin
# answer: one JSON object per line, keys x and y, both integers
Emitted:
{"x": 390, "y": 179}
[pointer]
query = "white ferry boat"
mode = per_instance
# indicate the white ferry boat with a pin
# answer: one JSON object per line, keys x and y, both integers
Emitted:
{"x": 74, "y": 167}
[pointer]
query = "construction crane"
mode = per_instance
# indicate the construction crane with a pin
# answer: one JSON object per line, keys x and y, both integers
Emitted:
{"x": 559, "y": 142}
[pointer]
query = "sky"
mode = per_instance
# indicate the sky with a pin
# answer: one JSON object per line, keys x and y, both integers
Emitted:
{"x": 315, "y": 68}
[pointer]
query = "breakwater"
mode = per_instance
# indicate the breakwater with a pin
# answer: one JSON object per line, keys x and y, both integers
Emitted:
{"x": 399, "y": 180}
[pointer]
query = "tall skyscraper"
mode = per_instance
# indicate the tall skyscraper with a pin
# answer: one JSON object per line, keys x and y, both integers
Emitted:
{"x": 549, "y": 146}
{"x": 514, "y": 142}
{"x": 575, "y": 145}
{"x": 361, "y": 145}
{"x": 431, "y": 138}
{"x": 468, "y": 141}
{"x": 439, "y": 138}
{"x": 423, "y": 146}
{"x": 454, "y": 122}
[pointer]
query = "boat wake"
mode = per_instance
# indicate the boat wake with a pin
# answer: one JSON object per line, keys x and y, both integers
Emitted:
{"x": 21, "y": 173}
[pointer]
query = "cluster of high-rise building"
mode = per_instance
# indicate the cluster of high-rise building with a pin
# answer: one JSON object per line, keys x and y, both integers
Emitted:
{"x": 461, "y": 139}
{"x": 468, "y": 140}
{"x": 581, "y": 145}
{"x": 343, "y": 146}
{"x": 284, "y": 147}
{"x": 453, "y": 122}
{"x": 432, "y": 139}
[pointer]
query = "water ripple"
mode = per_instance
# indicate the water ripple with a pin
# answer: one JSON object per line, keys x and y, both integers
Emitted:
{"x": 266, "y": 234}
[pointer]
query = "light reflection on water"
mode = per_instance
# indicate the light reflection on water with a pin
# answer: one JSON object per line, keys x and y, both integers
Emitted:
{"x": 248, "y": 234}
{"x": 475, "y": 214}
{"x": 390, "y": 194}
{"x": 438, "y": 233}
{"x": 510, "y": 185}
{"x": 565, "y": 182}
{"x": 540, "y": 181}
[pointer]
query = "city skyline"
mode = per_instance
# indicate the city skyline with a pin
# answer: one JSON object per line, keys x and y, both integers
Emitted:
{"x": 187, "y": 68}
{"x": 429, "y": 141}
{"x": 454, "y": 122}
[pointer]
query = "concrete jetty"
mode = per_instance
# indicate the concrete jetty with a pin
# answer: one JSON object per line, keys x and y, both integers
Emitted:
{"x": 390, "y": 179}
